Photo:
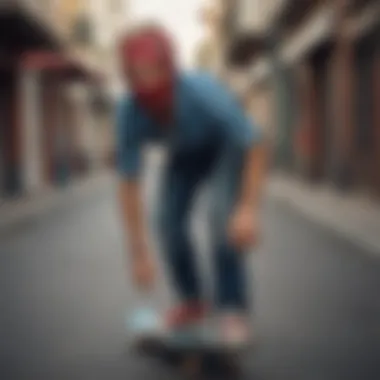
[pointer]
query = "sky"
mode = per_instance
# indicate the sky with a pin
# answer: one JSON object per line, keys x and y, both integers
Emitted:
{"x": 179, "y": 16}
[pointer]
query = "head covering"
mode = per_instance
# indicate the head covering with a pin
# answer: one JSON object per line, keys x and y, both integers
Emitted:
{"x": 152, "y": 45}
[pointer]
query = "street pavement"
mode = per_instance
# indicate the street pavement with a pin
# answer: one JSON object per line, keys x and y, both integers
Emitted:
{"x": 64, "y": 291}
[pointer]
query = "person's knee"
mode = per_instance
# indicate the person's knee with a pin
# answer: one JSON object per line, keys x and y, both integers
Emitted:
{"x": 168, "y": 226}
{"x": 218, "y": 224}
{"x": 161, "y": 221}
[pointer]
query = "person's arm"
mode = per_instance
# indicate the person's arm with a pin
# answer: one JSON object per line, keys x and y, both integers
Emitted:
{"x": 132, "y": 210}
{"x": 244, "y": 228}
{"x": 245, "y": 139}
{"x": 128, "y": 138}
{"x": 254, "y": 173}
{"x": 243, "y": 134}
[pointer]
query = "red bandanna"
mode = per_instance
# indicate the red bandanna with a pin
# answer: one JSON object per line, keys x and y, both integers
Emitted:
{"x": 152, "y": 46}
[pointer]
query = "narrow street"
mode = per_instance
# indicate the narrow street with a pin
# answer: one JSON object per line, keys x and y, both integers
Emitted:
{"x": 63, "y": 293}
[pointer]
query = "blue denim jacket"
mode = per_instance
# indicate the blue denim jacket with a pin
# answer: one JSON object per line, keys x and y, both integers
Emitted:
{"x": 205, "y": 112}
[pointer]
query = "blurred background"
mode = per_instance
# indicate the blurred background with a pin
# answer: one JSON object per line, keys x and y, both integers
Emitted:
{"x": 307, "y": 71}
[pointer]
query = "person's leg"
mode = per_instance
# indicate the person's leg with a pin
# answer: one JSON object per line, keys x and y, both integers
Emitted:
{"x": 230, "y": 263}
{"x": 232, "y": 285}
{"x": 181, "y": 181}
{"x": 174, "y": 209}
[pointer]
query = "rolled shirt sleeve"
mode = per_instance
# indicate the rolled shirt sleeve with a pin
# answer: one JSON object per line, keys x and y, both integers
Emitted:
{"x": 225, "y": 109}
{"x": 128, "y": 140}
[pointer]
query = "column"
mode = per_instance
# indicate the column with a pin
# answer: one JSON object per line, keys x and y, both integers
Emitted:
{"x": 62, "y": 135}
{"x": 343, "y": 100}
{"x": 3, "y": 122}
{"x": 90, "y": 131}
{"x": 32, "y": 159}
{"x": 70, "y": 129}
{"x": 49, "y": 127}
{"x": 307, "y": 138}
{"x": 279, "y": 95}
{"x": 12, "y": 138}
{"x": 376, "y": 121}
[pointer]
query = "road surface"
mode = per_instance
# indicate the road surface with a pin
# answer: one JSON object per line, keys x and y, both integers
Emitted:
{"x": 63, "y": 294}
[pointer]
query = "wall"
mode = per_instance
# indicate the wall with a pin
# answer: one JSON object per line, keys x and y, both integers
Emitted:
{"x": 259, "y": 103}
{"x": 110, "y": 18}
{"x": 256, "y": 15}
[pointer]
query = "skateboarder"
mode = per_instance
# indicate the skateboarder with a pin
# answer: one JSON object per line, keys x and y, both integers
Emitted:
{"x": 210, "y": 141}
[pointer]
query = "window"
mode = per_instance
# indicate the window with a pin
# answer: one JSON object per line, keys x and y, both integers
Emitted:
{"x": 116, "y": 6}
{"x": 82, "y": 30}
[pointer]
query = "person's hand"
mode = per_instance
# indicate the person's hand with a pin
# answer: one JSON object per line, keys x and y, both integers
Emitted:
{"x": 244, "y": 228}
{"x": 143, "y": 270}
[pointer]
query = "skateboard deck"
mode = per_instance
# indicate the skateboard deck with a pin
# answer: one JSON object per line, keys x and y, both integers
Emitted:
{"x": 204, "y": 358}
{"x": 194, "y": 355}
{"x": 195, "y": 350}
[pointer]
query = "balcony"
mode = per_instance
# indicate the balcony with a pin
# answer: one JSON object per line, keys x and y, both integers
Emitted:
{"x": 28, "y": 24}
{"x": 358, "y": 5}
{"x": 243, "y": 44}
{"x": 315, "y": 30}
{"x": 294, "y": 12}
{"x": 244, "y": 48}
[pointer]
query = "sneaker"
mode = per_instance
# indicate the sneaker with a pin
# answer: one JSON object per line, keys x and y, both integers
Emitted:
{"x": 235, "y": 330}
{"x": 187, "y": 314}
{"x": 144, "y": 322}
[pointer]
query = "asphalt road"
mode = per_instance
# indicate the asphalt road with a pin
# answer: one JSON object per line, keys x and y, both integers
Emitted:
{"x": 63, "y": 294}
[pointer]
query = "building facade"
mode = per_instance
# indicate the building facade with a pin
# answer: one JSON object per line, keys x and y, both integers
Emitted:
{"x": 39, "y": 124}
{"x": 209, "y": 53}
{"x": 23, "y": 27}
{"x": 321, "y": 84}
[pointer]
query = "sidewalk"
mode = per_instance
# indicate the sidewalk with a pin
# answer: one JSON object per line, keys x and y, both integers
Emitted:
{"x": 15, "y": 212}
{"x": 353, "y": 216}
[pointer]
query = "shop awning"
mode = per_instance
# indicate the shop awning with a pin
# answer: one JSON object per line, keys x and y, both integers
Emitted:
{"x": 58, "y": 64}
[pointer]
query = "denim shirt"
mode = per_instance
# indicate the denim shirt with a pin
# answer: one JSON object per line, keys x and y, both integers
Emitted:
{"x": 205, "y": 112}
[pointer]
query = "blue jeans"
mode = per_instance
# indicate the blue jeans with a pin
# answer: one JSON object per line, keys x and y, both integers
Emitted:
{"x": 221, "y": 169}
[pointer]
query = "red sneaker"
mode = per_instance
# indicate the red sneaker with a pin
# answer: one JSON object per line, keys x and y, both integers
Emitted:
{"x": 186, "y": 314}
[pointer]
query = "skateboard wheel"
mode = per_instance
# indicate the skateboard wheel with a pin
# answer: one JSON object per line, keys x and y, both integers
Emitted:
{"x": 232, "y": 366}
{"x": 192, "y": 366}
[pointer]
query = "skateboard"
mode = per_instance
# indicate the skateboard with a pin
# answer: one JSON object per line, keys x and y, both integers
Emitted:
{"x": 193, "y": 355}
{"x": 203, "y": 359}
{"x": 195, "y": 350}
